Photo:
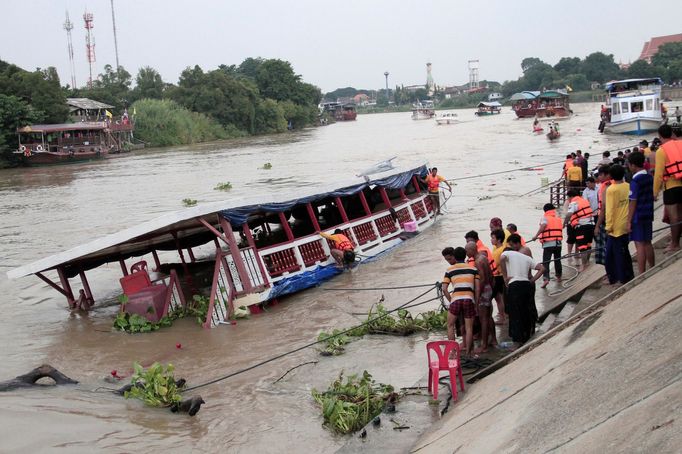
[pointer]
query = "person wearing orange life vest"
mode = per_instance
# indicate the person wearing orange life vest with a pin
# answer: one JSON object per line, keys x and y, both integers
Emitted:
{"x": 550, "y": 234}
{"x": 472, "y": 236}
{"x": 433, "y": 181}
{"x": 668, "y": 176}
{"x": 497, "y": 237}
{"x": 343, "y": 248}
{"x": 580, "y": 217}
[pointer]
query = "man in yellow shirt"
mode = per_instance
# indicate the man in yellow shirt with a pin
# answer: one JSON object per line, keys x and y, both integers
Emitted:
{"x": 574, "y": 175}
{"x": 668, "y": 176}
{"x": 618, "y": 260}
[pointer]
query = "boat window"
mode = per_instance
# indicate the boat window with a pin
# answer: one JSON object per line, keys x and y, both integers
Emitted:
{"x": 616, "y": 108}
{"x": 353, "y": 206}
{"x": 649, "y": 104}
{"x": 625, "y": 107}
{"x": 328, "y": 214}
{"x": 636, "y": 106}
{"x": 657, "y": 105}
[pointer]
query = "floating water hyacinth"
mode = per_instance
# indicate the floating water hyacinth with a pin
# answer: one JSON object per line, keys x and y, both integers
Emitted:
{"x": 223, "y": 186}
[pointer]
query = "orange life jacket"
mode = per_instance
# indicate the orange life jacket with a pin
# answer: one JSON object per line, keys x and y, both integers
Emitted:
{"x": 432, "y": 182}
{"x": 673, "y": 160}
{"x": 554, "y": 229}
{"x": 342, "y": 242}
{"x": 584, "y": 210}
{"x": 568, "y": 164}
{"x": 602, "y": 190}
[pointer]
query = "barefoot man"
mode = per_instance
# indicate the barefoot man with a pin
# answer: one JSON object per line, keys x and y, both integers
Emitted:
{"x": 485, "y": 301}
{"x": 464, "y": 296}
{"x": 343, "y": 248}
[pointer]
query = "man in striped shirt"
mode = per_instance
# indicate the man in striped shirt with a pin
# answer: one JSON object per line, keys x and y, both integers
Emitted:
{"x": 464, "y": 295}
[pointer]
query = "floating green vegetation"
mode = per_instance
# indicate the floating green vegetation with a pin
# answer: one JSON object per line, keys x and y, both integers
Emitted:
{"x": 267, "y": 166}
{"x": 135, "y": 323}
{"x": 155, "y": 386}
{"x": 379, "y": 321}
{"x": 223, "y": 186}
{"x": 189, "y": 202}
{"x": 350, "y": 405}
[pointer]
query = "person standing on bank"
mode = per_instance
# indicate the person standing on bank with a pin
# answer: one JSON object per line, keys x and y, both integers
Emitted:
{"x": 550, "y": 235}
{"x": 668, "y": 176}
{"x": 464, "y": 296}
{"x": 641, "y": 211}
{"x": 618, "y": 259}
{"x": 520, "y": 304}
{"x": 342, "y": 251}
{"x": 433, "y": 181}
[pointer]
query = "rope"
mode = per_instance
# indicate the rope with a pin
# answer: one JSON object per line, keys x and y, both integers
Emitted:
{"x": 376, "y": 288}
{"x": 308, "y": 345}
{"x": 505, "y": 171}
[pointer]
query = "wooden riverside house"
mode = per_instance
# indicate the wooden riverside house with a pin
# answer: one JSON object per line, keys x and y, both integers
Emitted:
{"x": 260, "y": 249}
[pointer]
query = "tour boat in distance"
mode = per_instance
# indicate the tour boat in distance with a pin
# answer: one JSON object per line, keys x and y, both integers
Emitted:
{"x": 633, "y": 106}
{"x": 553, "y": 105}
{"x": 71, "y": 142}
{"x": 423, "y": 110}
{"x": 259, "y": 249}
{"x": 488, "y": 108}
{"x": 447, "y": 118}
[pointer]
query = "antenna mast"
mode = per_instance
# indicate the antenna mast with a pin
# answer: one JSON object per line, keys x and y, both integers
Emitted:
{"x": 113, "y": 21}
{"x": 89, "y": 43}
{"x": 68, "y": 26}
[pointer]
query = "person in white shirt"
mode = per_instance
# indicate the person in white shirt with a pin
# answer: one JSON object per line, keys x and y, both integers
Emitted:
{"x": 591, "y": 194}
{"x": 520, "y": 302}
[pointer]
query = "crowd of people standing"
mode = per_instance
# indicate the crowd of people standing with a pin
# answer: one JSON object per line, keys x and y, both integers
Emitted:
{"x": 603, "y": 212}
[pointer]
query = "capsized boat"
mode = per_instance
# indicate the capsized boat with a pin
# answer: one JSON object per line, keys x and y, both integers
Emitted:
{"x": 447, "y": 118}
{"x": 488, "y": 108}
{"x": 633, "y": 106}
{"x": 260, "y": 249}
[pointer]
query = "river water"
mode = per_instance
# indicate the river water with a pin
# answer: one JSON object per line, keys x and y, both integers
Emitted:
{"x": 46, "y": 210}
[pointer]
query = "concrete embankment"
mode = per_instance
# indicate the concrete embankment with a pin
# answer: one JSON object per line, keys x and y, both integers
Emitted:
{"x": 606, "y": 380}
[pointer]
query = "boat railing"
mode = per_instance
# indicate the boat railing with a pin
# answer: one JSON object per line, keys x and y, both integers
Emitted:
{"x": 223, "y": 291}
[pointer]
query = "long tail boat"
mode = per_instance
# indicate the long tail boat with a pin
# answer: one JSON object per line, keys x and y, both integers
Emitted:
{"x": 260, "y": 249}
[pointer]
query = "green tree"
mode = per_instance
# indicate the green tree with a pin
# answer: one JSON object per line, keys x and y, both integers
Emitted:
{"x": 249, "y": 67}
{"x": 14, "y": 113}
{"x": 276, "y": 79}
{"x": 148, "y": 84}
{"x": 667, "y": 54}
{"x": 642, "y": 69}
{"x": 600, "y": 67}
{"x": 568, "y": 65}
{"x": 529, "y": 62}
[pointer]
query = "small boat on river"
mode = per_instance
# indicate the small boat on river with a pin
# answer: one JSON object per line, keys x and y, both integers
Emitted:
{"x": 259, "y": 249}
{"x": 633, "y": 106}
{"x": 423, "y": 110}
{"x": 447, "y": 118}
{"x": 72, "y": 142}
{"x": 548, "y": 104}
{"x": 488, "y": 108}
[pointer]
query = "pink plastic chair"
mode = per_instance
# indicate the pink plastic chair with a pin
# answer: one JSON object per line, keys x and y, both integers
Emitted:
{"x": 442, "y": 350}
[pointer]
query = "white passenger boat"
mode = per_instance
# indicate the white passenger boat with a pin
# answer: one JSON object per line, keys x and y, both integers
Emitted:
{"x": 423, "y": 110}
{"x": 633, "y": 106}
{"x": 447, "y": 118}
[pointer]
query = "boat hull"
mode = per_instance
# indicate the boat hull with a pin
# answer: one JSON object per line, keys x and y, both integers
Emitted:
{"x": 633, "y": 126}
{"x": 446, "y": 121}
{"x": 48, "y": 157}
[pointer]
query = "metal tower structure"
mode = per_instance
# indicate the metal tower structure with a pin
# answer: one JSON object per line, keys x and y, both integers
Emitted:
{"x": 113, "y": 21}
{"x": 473, "y": 74}
{"x": 68, "y": 26}
{"x": 89, "y": 43}
{"x": 430, "y": 85}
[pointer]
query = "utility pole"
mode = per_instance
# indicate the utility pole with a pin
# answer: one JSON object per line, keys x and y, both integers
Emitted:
{"x": 387, "y": 97}
{"x": 68, "y": 26}
{"x": 113, "y": 21}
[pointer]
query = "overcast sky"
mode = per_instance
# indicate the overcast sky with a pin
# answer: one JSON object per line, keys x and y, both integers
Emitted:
{"x": 332, "y": 44}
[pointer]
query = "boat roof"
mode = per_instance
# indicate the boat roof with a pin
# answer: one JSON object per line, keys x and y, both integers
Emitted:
{"x": 489, "y": 104}
{"x": 84, "y": 125}
{"x": 652, "y": 80}
{"x": 87, "y": 104}
{"x": 553, "y": 94}
{"x": 182, "y": 227}
{"x": 524, "y": 95}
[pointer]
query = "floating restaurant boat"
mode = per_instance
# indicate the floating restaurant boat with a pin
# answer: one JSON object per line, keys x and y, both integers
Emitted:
{"x": 423, "y": 110}
{"x": 71, "y": 142}
{"x": 260, "y": 248}
{"x": 447, "y": 118}
{"x": 488, "y": 108}
{"x": 340, "y": 112}
{"x": 548, "y": 104}
{"x": 633, "y": 106}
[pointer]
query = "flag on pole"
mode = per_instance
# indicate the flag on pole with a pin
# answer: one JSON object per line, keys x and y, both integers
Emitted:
{"x": 108, "y": 114}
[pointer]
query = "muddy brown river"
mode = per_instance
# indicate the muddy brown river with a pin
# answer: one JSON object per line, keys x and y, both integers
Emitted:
{"x": 46, "y": 210}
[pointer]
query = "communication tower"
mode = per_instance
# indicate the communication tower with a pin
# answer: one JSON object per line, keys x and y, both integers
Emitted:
{"x": 473, "y": 74}
{"x": 68, "y": 26}
{"x": 113, "y": 21}
{"x": 89, "y": 43}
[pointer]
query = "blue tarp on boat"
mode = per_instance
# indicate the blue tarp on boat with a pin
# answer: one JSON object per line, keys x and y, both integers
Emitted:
{"x": 303, "y": 281}
{"x": 239, "y": 215}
